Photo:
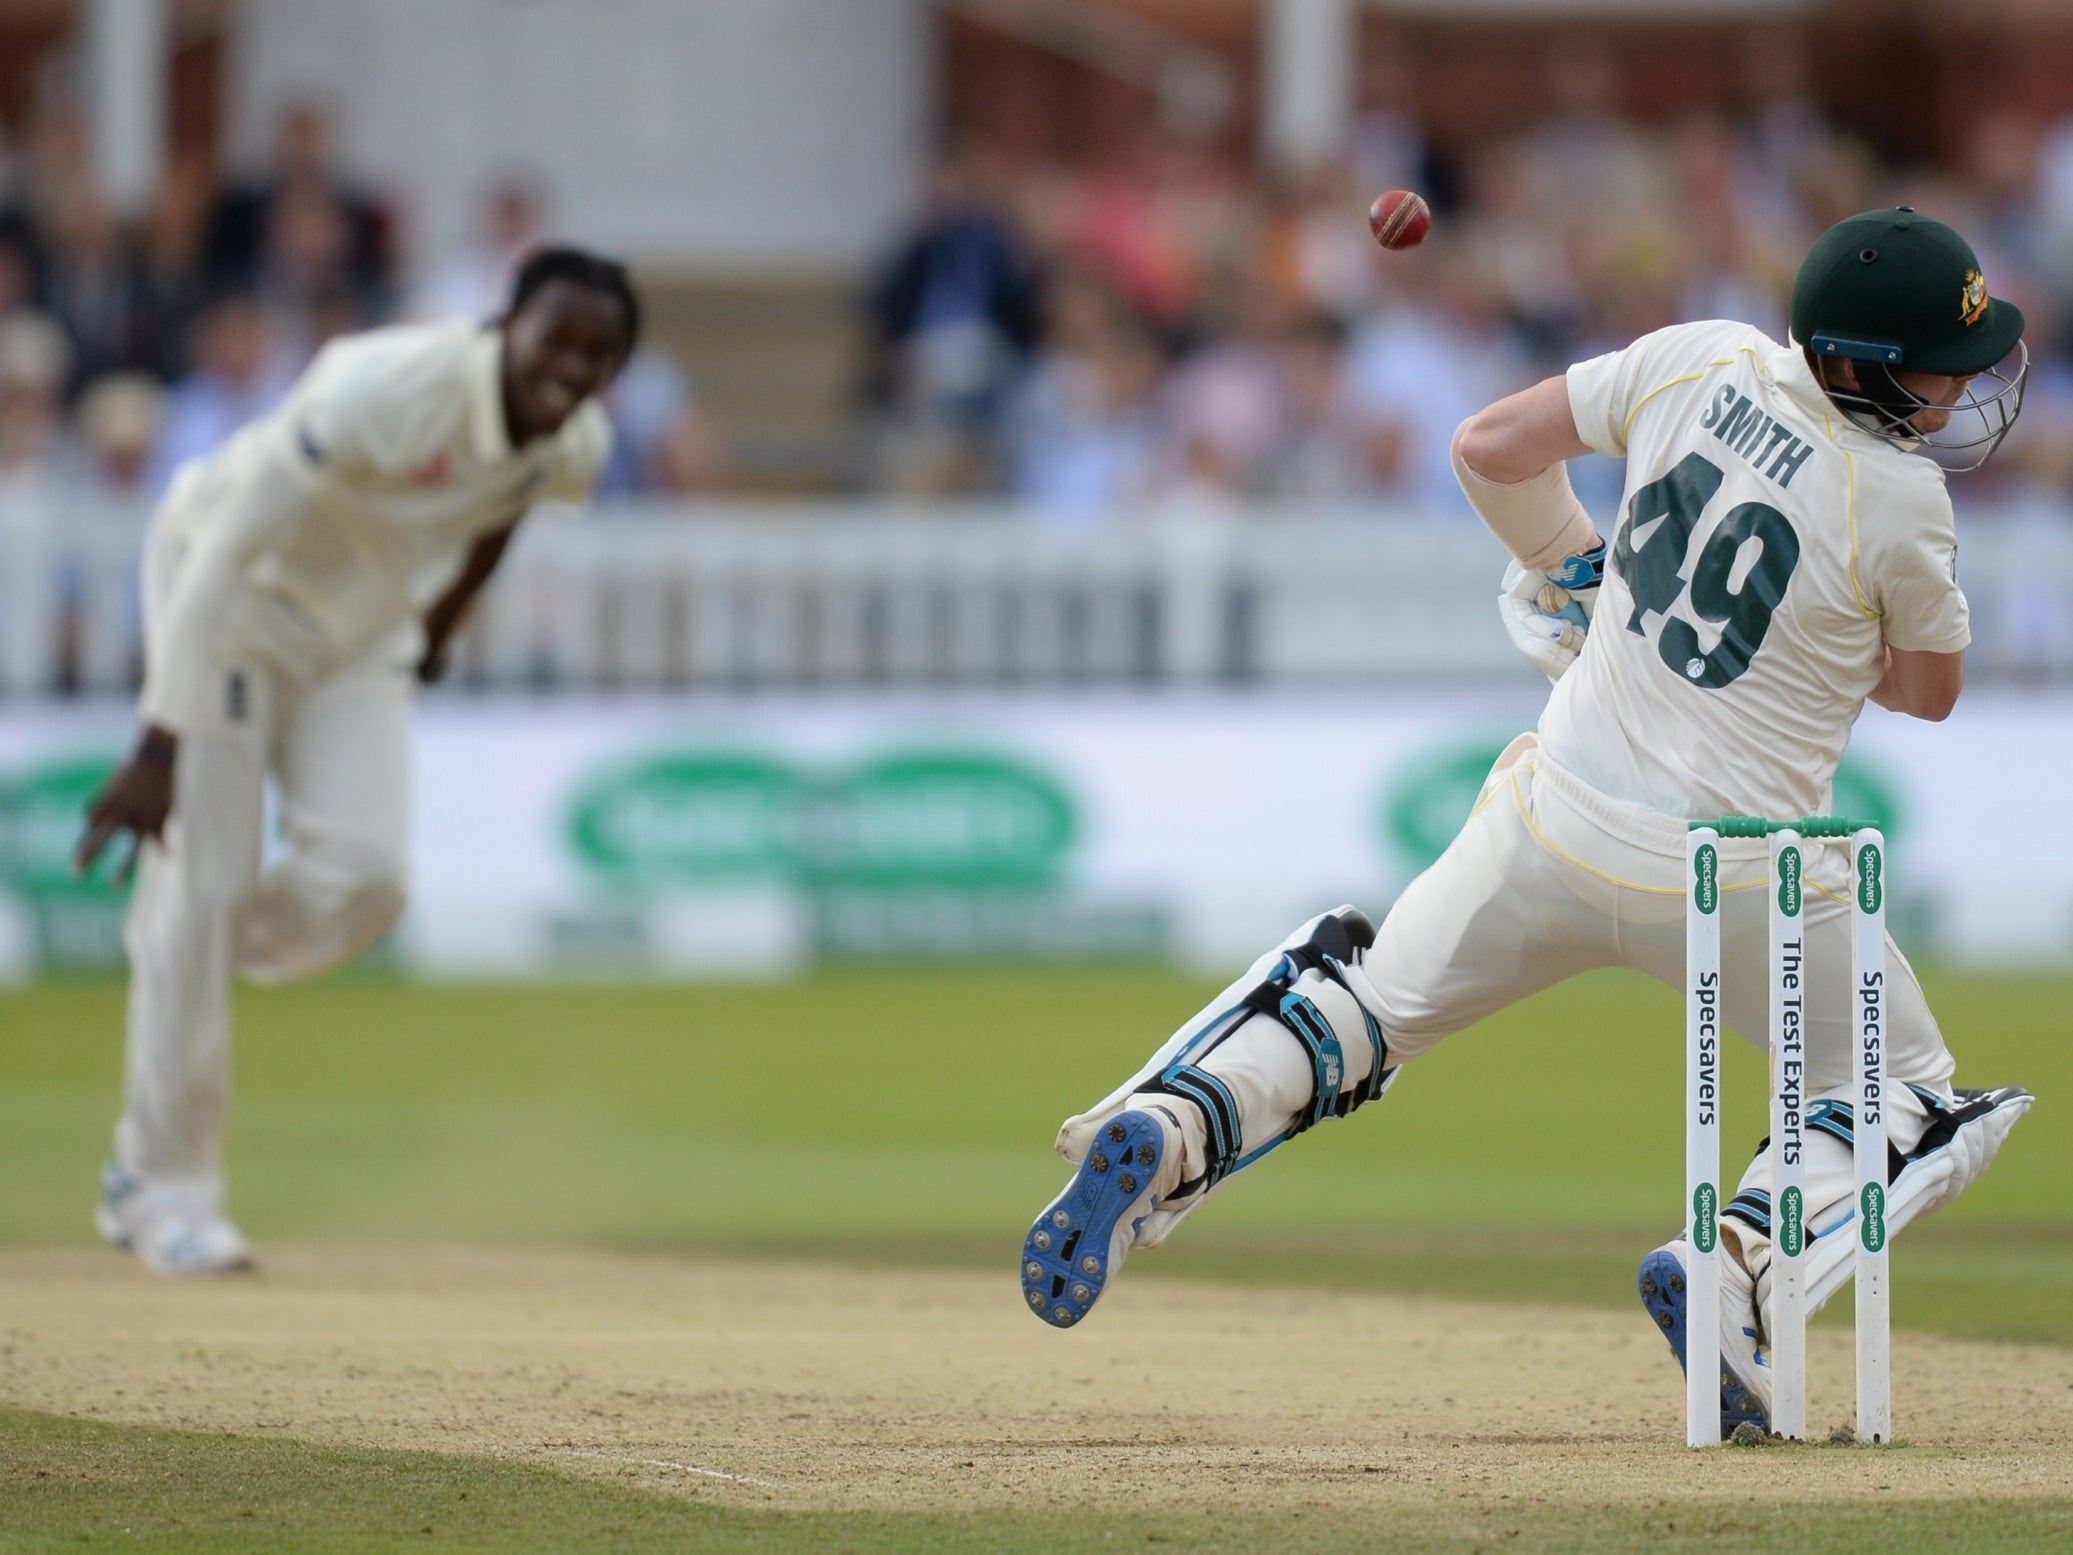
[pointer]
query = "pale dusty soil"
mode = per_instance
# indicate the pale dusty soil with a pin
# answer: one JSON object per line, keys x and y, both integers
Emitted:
{"x": 819, "y": 1386}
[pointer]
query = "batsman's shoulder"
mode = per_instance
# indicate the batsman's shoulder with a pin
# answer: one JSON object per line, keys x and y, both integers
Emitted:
{"x": 1679, "y": 353}
{"x": 1621, "y": 395}
{"x": 1709, "y": 343}
{"x": 1904, "y": 478}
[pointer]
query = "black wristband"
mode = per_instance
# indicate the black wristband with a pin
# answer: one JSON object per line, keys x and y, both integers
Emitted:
{"x": 154, "y": 753}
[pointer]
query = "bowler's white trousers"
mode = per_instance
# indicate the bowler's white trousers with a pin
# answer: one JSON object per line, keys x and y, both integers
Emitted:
{"x": 1549, "y": 878}
{"x": 338, "y": 749}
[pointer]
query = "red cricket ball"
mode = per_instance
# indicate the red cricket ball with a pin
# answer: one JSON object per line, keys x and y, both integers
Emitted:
{"x": 1400, "y": 219}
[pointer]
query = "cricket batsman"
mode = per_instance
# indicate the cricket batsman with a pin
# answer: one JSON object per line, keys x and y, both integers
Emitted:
{"x": 1786, "y": 551}
{"x": 296, "y": 583}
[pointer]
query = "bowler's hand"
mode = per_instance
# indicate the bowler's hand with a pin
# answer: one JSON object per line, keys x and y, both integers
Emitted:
{"x": 431, "y": 667}
{"x": 445, "y": 618}
{"x": 137, "y": 799}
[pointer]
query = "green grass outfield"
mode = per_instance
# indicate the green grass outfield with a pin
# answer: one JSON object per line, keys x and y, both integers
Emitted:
{"x": 70, "y": 1485}
{"x": 908, "y": 1116}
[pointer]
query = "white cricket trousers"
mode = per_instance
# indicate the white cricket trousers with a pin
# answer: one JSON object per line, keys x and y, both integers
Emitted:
{"x": 206, "y": 905}
{"x": 1550, "y": 878}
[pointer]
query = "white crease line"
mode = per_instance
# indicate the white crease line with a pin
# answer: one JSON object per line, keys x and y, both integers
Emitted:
{"x": 685, "y": 1468}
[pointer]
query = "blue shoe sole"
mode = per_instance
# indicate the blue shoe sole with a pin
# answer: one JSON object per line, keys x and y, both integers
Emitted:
{"x": 1065, "y": 1258}
{"x": 1662, "y": 1292}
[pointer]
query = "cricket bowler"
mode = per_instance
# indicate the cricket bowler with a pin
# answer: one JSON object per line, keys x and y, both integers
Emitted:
{"x": 296, "y": 584}
{"x": 1786, "y": 551}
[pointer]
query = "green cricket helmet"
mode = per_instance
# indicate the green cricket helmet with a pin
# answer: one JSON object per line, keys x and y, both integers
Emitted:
{"x": 1896, "y": 289}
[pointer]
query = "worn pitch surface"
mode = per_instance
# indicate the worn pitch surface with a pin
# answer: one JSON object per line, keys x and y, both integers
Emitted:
{"x": 830, "y": 1387}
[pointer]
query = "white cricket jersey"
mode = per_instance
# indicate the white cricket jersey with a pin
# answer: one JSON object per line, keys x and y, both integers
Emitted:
{"x": 1768, "y": 550}
{"x": 330, "y": 526}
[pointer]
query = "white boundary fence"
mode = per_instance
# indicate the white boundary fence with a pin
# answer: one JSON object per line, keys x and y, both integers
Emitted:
{"x": 68, "y": 594}
{"x": 985, "y": 597}
{"x": 753, "y": 595}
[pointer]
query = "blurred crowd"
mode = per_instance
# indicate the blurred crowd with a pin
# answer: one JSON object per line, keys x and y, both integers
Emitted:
{"x": 1170, "y": 331}
{"x": 1175, "y": 332}
{"x": 130, "y": 346}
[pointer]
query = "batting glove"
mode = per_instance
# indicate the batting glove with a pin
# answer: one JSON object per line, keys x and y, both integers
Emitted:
{"x": 1548, "y": 614}
{"x": 1549, "y": 641}
{"x": 1572, "y": 588}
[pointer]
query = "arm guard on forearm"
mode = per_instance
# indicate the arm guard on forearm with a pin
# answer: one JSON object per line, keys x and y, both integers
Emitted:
{"x": 1539, "y": 519}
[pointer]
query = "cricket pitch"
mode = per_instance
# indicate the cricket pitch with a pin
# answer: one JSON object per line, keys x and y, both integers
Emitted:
{"x": 832, "y": 1387}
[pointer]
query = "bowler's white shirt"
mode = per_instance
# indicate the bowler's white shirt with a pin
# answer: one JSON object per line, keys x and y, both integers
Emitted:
{"x": 329, "y": 526}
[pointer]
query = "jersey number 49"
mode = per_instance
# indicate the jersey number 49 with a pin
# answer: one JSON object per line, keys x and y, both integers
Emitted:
{"x": 1655, "y": 571}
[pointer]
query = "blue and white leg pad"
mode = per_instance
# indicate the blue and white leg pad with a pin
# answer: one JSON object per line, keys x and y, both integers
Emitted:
{"x": 1960, "y": 1142}
{"x": 1305, "y": 985}
{"x": 1305, "y": 991}
{"x": 1343, "y": 933}
{"x": 1222, "y": 1139}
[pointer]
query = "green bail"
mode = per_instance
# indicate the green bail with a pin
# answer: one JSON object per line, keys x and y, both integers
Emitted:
{"x": 1759, "y": 826}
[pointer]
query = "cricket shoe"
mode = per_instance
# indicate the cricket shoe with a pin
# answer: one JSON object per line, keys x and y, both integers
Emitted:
{"x": 174, "y": 1226}
{"x": 1745, "y": 1376}
{"x": 1078, "y": 1243}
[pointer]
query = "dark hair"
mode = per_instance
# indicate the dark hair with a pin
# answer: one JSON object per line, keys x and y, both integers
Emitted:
{"x": 593, "y": 272}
